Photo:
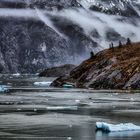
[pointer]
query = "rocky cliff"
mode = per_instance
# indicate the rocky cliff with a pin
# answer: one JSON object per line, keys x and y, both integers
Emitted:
{"x": 114, "y": 68}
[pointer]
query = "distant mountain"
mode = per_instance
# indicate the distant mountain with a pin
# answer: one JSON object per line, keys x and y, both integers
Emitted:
{"x": 39, "y": 34}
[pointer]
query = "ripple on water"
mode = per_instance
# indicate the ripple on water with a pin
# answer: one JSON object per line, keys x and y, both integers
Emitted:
{"x": 40, "y": 112}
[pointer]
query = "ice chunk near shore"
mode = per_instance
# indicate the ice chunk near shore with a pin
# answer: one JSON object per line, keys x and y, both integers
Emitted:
{"x": 117, "y": 128}
{"x": 68, "y": 86}
{"x": 43, "y": 83}
{"x": 3, "y": 88}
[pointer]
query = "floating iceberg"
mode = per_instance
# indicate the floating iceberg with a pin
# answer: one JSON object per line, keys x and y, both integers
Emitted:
{"x": 68, "y": 86}
{"x": 3, "y": 88}
{"x": 42, "y": 84}
{"x": 117, "y": 128}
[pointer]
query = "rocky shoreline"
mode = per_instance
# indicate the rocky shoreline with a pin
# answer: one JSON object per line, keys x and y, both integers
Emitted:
{"x": 114, "y": 68}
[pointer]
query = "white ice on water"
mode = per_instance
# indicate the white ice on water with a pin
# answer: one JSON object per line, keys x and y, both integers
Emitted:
{"x": 3, "y": 88}
{"x": 117, "y": 128}
{"x": 47, "y": 84}
{"x": 16, "y": 74}
{"x": 62, "y": 108}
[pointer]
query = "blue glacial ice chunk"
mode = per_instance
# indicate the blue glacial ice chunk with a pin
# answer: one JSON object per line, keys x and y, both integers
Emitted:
{"x": 47, "y": 84}
{"x": 117, "y": 128}
{"x": 68, "y": 86}
{"x": 3, "y": 88}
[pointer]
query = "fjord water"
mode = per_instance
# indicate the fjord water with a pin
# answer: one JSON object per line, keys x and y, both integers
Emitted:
{"x": 30, "y": 112}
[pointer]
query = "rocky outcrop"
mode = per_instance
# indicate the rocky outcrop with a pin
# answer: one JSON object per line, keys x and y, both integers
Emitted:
{"x": 116, "y": 68}
{"x": 57, "y": 71}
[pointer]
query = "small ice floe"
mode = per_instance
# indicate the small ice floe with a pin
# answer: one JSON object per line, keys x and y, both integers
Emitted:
{"x": 70, "y": 126}
{"x": 16, "y": 74}
{"x": 132, "y": 99}
{"x": 3, "y": 88}
{"x": 69, "y": 138}
{"x": 42, "y": 84}
{"x": 35, "y": 110}
{"x": 53, "y": 108}
{"x": 117, "y": 128}
{"x": 68, "y": 86}
{"x": 37, "y": 74}
{"x": 77, "y": 101}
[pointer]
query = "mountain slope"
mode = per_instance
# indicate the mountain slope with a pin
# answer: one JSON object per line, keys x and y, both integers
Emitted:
{"x": 116, "y": 68}
{"x": 41, "y": 34}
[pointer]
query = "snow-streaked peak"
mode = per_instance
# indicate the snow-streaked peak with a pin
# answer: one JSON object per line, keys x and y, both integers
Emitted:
{"x": 107, "y": 3}
{"x": 115, "y": 7}
{"x": 87, "y": 3}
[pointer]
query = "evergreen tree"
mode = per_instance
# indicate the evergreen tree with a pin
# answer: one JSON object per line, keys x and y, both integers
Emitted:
{"x": 92, "y": 55}
{"x": 128, "y": 42}
{"x": 120, "y": 44}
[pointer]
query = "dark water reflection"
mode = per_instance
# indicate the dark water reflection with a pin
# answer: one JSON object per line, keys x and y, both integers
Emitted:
{"x": 30, "y": 112}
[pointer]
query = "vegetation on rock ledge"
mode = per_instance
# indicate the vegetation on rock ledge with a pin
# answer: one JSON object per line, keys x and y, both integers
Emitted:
{"x": 114, "y": 68}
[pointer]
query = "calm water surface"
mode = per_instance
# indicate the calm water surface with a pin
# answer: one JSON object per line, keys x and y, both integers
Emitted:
{"x": 36, "y": 113}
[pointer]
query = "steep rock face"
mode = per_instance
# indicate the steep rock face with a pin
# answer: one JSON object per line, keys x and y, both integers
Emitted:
{"x": 59, "y": 4}
{"x": 63, "y": 31}
{"x": 42, "y": 4}
{"x": 117, "y": 68}
{"x": 27, "y": 46}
